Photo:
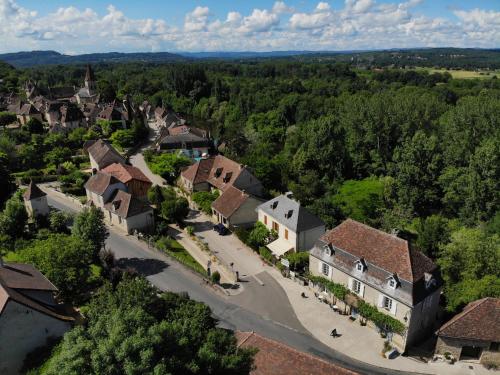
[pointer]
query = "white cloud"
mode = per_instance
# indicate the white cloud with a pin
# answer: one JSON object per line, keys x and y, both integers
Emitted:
{"x": 359, "y": 24}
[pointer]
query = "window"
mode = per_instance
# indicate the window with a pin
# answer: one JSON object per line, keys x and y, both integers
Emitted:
{"x": 325, "y": 269}
{"x": 276, "y": 226}
{"x": 392, "y": 283}
{"x": 327, "y": 250}
{"x": 224, "y": 220}
{"x": 359, "y": 266}
{"x": 387, "y": 303}
{"x": 356, "y": 286}
{"x": 286, "y": 234}
{"x": 265, "y": 219}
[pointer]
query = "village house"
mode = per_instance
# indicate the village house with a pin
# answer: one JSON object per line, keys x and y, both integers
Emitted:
{"x": 113, "y": 113}
{"x": 35, "y": 201}
{"x": 121, "y": 208}
{"x": 474, "y": 334}
{"x": 29, "y": 314}
{"x": 187, "y": 140}
{"x": 70, "y": 118}
{"x": 297, "y": 228}
{"x": 239, "y": 190}
{"x": 102, "y": 154}
{"x": 167, "y": 118}
{"x": 133, "y": 178}
{"x": 219, "y": 173}
{"x": 235, "y": 208}
{"x": 27, "y": 112}
{"x": 382, "y": 270}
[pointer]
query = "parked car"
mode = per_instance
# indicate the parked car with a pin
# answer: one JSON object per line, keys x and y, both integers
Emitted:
{"x": 221, "y": 229}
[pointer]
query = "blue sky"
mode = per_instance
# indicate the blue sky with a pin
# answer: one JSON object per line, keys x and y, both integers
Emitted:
{"x": 222, "y": 25}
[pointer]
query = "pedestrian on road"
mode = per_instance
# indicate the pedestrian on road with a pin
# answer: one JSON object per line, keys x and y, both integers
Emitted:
{"x": 333, "y": 333}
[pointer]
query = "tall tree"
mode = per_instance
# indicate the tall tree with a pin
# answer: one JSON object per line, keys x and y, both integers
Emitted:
{"x": 89, "y": 225}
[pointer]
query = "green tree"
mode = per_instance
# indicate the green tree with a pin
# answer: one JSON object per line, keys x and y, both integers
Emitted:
{"x": 89, "y": 226}
{"x": 6, "y": 182}
{"x": 7, "y": 118}
{"x": 134, "y": 330}
{"x": 123, "y": 138}
{"x": 13, "y": 218}
{"x": 259, "y": 235}
{"x": 175, "y": 209}
{"x": 57, "y": 156}
{"x": 65, "y": 260}
{"x": 168, "y": 165}
{"x": 34, "y": 126}
{"x": 433, "y": 232}
{"x": 204, "y": 200}
{"x": 469, "y": 265}
{"x": 155, "y": 195}
{"x": 417, "y": 166}
{"x": 59, "y": 222}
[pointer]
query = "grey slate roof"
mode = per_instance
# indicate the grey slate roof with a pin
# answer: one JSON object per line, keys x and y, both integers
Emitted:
{"x": 290, "y": 213}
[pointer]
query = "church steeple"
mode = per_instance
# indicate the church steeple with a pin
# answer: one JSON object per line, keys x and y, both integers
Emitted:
{"x": 90, "y": 80}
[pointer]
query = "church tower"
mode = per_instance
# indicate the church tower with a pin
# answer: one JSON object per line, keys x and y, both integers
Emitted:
{"x": 90, "y": 80}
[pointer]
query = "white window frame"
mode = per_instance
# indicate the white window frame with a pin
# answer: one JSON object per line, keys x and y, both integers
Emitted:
{"x": 392, "y": 283}
{"x": 327, "y": 250}
{"x": 359, "y": 267}
{"x": 326, "y": 267}
{"x": 387, "y": 303}
{"x": 358, "y": 284}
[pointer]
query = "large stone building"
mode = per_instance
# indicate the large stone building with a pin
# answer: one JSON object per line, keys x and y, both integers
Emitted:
{"x": 297, "y": 228}
{"x": 29, "y": 315}
{"x": 474, "y": 334}
{"x": 386, "y": 272}
{"x": 88, "y": 93}
{"x": 136, "y": 182}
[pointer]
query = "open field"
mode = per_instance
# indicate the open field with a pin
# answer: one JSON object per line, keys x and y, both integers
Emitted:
{"x": 465, "y": 74}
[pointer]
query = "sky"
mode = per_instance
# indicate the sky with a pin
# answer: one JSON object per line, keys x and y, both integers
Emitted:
{"x": 75, "y": 27}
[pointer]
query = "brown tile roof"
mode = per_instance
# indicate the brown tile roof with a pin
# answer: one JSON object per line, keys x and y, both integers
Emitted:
{"x": 28, "y": 109}
{"x": 480, "y": 320}
{"x": 224, "y": 172}
{"x": 229, "y": 201}
{"x": 99, "y": 182}
{"x": 381, "y": 249}
{"x": 104, "y": 154}
{"x": 24, "y": 276}
{"x": 198, "y": 172}
{"x": 125, "y": 205}
{"x": 126, "y": 173}
{"x": 275, "y": 358}
{"x": 33, "y": 192}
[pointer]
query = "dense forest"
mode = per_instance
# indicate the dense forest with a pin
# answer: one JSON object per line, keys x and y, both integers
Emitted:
{"x": 405, "y": 151}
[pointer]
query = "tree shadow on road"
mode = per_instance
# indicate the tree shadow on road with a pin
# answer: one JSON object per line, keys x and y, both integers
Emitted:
{"x": 146, "y": 267}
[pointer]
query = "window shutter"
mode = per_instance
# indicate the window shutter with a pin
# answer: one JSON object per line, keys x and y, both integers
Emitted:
{"x": 393, "y": 308}
{"x": 330, "y": 270}
{"x": 320, "y": 267}
{"x": 362, "y": 290}
{"x": 380, "y": 300}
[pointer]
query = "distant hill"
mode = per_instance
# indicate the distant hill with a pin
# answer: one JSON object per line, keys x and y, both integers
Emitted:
{"x": 33, "y": 58}
{"x": 458, "y": 58}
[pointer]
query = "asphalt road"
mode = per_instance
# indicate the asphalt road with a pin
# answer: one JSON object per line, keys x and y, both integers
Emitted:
{"x": 171, "y": 276}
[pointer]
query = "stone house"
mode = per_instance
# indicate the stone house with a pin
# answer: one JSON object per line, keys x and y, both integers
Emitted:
{"x": 29, "y": 315}
{"x": 35, "y": 201}
{"x": 88, "y": 93}
{"x": 27, "y": 112}
{"x": 297, "y": 228}
{"x": 102, "y": 154}
{"x": 220, "y": 173}
{"x": 235, "y": 208}
{"x": 474, "y": 334}
{"x": 190, "y": 141}
{"x": 120, "y": 206}
{"x": 136, "y": 182}
{"x": 384, "y": 271}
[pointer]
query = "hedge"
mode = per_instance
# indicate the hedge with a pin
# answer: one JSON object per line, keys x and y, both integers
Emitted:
{"x": 338, "y": 290}
{"x": 382, "y": 320}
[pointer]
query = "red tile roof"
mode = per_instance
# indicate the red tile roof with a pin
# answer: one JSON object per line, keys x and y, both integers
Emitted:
{"x": 391, "y": 253}
{"x": 229, "y": 201}
{"x": 125, "y": 205}
{"x": 126, "y": 173}
{"x": 480, "y": 320}
{"x": 275, "y": 358}
{"x": 103, "y": 153}
{"x": 99, "y": 182}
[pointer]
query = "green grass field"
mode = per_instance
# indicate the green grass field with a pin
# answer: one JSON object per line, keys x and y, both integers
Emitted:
{"x": 177, "y": 251}
{"x": 465, "y": 74}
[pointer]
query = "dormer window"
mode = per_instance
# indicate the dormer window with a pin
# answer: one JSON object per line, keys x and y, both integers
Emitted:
{"x": 274, "y": 205}
{"x": 218, "y": 172}
{"x": 289, "y": 214}
{"x": 327, "y": 250}
{"x": 393, "y": 281}
{"x": 228, "y": 176}
{"x": 360, "y": 265}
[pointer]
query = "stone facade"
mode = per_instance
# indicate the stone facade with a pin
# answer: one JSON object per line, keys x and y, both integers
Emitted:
{"x": 37, "y": 206}
{"x": 488, "y": 352}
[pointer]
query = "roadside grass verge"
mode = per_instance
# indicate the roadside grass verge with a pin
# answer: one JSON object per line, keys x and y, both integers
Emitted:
{"x": 174, "y": 249}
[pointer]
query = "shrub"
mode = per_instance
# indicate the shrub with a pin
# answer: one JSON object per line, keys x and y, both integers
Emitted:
{"x": 190, "y": 230}
{"x": 215, "y": 277}
{"x": 382, "y": 320}
{"x": 258, "y": 236}
{"x": 338, "y": 290}
{"x": 266, "y": 254}
{"x": 298, "y": 261}
{"x": 204, "y": 200}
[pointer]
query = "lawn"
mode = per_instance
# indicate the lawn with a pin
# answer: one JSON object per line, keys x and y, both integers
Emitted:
{"x": 175, "y": 250}
{"x": 465, "y": 74}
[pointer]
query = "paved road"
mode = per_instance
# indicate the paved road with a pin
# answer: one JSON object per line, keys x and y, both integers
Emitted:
{"x": 167, "y": 275}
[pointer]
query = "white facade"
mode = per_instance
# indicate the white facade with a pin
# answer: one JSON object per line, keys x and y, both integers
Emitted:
{"x": 37, "y": 206}
{"x": 23, "y": 329}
